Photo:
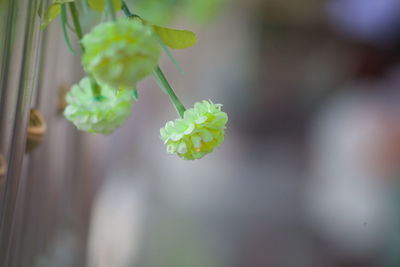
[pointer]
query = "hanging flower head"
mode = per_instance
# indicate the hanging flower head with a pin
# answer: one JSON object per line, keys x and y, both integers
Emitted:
{"x": 97, "y": 114}
{"x": 200, "y": 131}
{"x": 120, "y": 53}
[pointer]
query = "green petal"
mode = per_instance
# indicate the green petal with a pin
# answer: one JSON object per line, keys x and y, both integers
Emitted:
{"x": 171, "y": 149}
{"x": 207, "y": 136}
{"x": 196, "y": 141}
{"x": 182, "y": 148}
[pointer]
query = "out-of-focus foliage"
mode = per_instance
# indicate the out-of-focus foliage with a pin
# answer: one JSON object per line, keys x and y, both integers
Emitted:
{"x": 55, "y": 8}
{"x": 163, "y": 11}
{"x": 99, "y": 5}
{"x": 176, "y": 39}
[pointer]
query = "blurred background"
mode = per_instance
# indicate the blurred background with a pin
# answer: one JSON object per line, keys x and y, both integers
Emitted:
{"x": 308, "y": 174}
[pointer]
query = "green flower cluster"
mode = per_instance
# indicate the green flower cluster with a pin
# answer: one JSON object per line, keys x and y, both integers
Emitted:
{"x": 120, "y": 53}
{"x": 95, "y": 114}
{"x": 201, "y": 129}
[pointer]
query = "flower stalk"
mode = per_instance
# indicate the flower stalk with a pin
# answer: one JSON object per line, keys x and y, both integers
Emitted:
{"x": 96, "y": 89}
{"x": 127, "y": 12}
{"x": 180, "y": 108}
{"x": 77, "y": 25}
{"x": 111, "y": 10}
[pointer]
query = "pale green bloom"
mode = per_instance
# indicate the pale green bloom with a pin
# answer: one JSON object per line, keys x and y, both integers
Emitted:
{"x": 200, "y": 131}
{"x": 97, "y": 114}
{"x": 120, "y": 53}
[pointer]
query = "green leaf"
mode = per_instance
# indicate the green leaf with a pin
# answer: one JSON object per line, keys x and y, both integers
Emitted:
{"x": 51, "y": 13}
{"x": 176, "y": 39}
{"x": 99, "y": 5}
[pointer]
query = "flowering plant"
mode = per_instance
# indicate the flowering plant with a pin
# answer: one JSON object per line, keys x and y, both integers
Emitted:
{"x": 118, "y": 54}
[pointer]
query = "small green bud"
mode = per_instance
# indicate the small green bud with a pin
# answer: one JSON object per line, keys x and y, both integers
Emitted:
{"x": 200, "y": 131}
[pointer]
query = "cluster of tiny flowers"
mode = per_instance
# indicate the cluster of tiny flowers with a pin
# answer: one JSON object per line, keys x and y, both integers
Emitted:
{"x": 201, "y": 129}
{"x": 97, "y": 114}
{"x": 120, "y": 53}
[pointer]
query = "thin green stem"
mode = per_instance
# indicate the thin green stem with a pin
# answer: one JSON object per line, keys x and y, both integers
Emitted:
{"x": 111, "y": 10}
{"x": 180, "y": 108}
{"x": 168, "y": 52}
{"x": 70, "y": 27}
{"x": 64, "y": 28}
{"x": 104, "y": 17}
{"x": 77, "y": 25}
{"x": 158, "y": 82}
{"x": 127, "y": 12}
{"x": 85, "y": 7}
{"x": 174, "y": 98}
{"x": 96, "y": 89}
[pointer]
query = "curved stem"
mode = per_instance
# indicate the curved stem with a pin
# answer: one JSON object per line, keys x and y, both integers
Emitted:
{"x": 64, "y": 28}
{"x": 127, "y": 12}
{"x": 174, "y": 98}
